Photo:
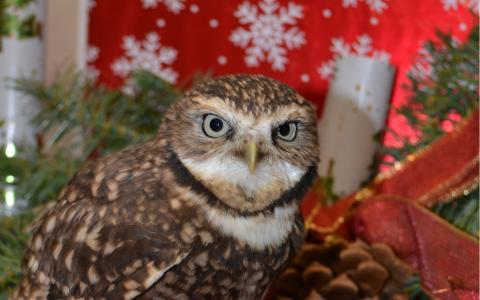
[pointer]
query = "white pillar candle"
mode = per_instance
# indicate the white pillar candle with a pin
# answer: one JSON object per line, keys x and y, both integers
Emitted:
{"x": 20, "y": 57}
{"x": 355, "y": 110}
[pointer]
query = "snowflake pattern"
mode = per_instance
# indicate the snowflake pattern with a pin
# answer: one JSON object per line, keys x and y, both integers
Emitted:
{"x": 453, "y": 4}
{"x": 92, "y": 55}
{"x": 361, "y": 47}
{"x": 149, "y": 55}
{"x": 377, "y": 6}
{"x": 175, "y": 6}
{"x": 266, "y": 37}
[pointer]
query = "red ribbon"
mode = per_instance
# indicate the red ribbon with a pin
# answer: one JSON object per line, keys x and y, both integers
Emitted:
{"x": 446, "y": 258}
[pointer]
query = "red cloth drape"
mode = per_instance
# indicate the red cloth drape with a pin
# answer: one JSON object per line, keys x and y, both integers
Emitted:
{"x": 291, "y": 40}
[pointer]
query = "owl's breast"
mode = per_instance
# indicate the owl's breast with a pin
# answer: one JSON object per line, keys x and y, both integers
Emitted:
{"x": 220, "y": 267}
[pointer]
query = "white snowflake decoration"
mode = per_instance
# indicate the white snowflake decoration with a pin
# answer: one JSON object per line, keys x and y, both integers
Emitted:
{"x": 175, "y": 6}
{"x": 361, "y": 47}
{"x": 377, "y": 6}
{"x": 453, "y": 4}
{"x": 149, "y": 55}
{"x": 266, "y": 37}
{"x": 92, "y": 55}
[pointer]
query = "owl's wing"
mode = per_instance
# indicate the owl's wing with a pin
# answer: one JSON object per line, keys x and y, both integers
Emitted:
{"x": 110, "y": 235}
{"x": 118, "y": 262}
{"x": 141, "y": 259}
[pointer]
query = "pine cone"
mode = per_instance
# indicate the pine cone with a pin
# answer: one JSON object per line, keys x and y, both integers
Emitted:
{"x": 339, "y": 270}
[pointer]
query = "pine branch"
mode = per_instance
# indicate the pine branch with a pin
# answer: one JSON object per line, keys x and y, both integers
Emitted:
{"x": 414, "y": 289}
{"x": 450, "y": 90}
{"x": 38, "y": 177}
{"x": 79, "y": 121}
{"x": 462, "y": 212}
{"x": 13, "y": 238}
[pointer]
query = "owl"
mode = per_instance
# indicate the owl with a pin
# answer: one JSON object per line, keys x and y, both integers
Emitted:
{"x": 209, "y": 209}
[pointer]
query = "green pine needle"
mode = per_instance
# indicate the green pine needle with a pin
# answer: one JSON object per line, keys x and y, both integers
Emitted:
{"x": 80, "y": 121}
{"x": 414, "y": 290}
{"x": 463, "y": 212}
{"x": 13, "y": 238}
{"x": 450, "y": 89}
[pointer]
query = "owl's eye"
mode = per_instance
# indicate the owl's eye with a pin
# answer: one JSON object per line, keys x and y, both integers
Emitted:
{"x": 213, "y": 126}
{"x": 287, "y": 131}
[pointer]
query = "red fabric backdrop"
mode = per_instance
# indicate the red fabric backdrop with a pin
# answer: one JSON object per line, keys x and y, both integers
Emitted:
{"x": 292, "y": 40}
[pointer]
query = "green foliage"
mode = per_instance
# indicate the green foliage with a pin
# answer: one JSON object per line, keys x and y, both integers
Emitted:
{"x": 80, "y": 121}
{"x": 451, "y": 89}
{"x": 324, "y": 186}
{"x": 13, "y": 238}
{"x": 38, "y": 176}
{"x": 18, "y": 3}
{"x": 106, "y": 119}
{"x": 462, "y": 212}
{"x": 414, "y": 289}
{"x": 13, "y": 22}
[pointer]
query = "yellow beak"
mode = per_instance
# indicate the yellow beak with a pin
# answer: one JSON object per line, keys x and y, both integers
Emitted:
{"x": 251, "y": 154}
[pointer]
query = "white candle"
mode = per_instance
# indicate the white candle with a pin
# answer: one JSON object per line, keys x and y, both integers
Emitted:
{"x": 355, "y": 110}
{"x": 20, "y": 57}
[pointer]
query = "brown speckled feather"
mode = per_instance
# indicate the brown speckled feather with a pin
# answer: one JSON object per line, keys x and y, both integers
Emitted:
{"x": 115, "y": 244}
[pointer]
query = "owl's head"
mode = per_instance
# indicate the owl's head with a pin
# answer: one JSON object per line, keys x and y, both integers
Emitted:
{"x": 251, "y": 141}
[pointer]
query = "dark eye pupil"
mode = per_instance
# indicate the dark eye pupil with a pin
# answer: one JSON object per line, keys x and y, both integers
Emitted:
{"x": 216, "y": 124}
{"x": 284, "y": 129}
